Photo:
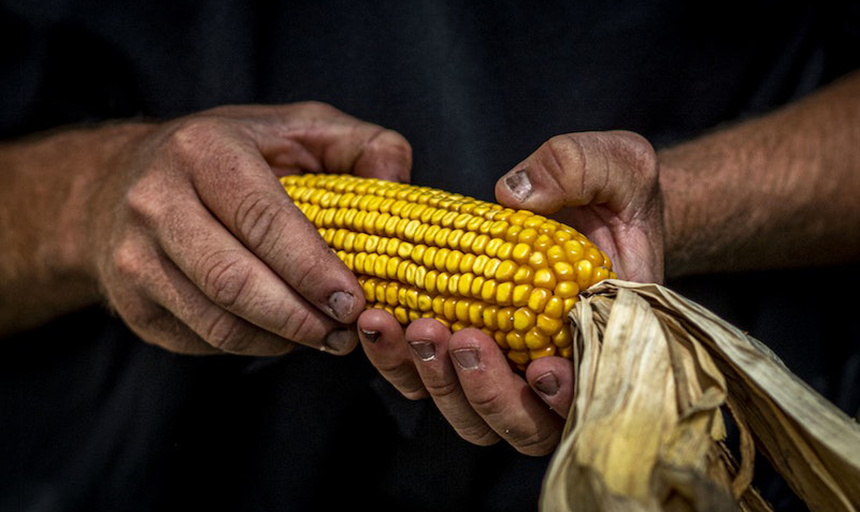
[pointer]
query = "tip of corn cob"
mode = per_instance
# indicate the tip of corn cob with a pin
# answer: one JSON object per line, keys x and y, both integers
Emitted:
{"x": 420, "y": 252}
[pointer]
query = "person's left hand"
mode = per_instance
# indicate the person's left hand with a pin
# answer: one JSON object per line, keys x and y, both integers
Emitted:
{"x": 605, "y": 184}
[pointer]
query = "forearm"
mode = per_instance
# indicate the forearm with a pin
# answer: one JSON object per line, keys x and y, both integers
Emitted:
{"x": 778, "y": 191}
{"x": 45, "y": 186}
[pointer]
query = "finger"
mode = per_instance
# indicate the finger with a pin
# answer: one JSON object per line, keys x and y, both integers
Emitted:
{"x": 501, "y": 397}
{"x": 237, "y": 302}
{"x": 236, "y": 185}
{"x": 609, "y": 183}
{"x": 552, "y": 379}
{"x": 317, "y": 137}
{"x": 428, "y": 339}
{"x": 582, "y": 169}
{"x": 383, "y": 341}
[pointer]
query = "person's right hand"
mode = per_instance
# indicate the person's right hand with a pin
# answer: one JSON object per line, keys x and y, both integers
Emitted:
{"x": 198, "y": 247}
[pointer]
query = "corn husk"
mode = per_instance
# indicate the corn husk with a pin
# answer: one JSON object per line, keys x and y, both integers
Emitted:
{"x": 646, "y": 432}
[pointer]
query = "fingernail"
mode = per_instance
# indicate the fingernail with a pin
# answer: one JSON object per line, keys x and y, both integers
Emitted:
{"x": 519, "y": 184}
{"x": 370, "y": 336}
{"x": 341, "y": 340}
{"x": 423, "y": 349}
{"x": 341, "y": 305}
{"x": 467, "y": 358}
{"x": 547, "y": 384}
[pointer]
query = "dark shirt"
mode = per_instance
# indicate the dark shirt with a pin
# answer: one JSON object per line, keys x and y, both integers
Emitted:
{"x": 93, "y": 419}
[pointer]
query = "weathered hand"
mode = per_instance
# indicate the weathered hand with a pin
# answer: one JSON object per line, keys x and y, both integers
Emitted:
{"x": 199, "y": 249}
{"x": 603, "y": 184}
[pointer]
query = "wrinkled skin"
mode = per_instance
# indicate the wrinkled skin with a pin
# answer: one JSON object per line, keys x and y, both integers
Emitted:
{"x": 604, "y": 184}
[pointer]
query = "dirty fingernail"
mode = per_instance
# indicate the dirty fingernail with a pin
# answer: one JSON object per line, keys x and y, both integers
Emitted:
{"x": 519, "y": 184}
{"x": 341, "y": 305}
{"x": 339, "y": 341}
{"x": 423, "y": 349}
{"x": 547, "y": 384}
{"x": 467, "y": 358}
{"x": 371, "y": 336}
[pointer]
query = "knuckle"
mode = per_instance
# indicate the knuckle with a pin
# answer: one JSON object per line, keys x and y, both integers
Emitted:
{"x": 225, "y": 332}
{"x": 225, "y": 279}
{"x": 442, "y": 388}
{"x": 536, "y": 444}
{"x": 479, "y": 434}
{"x": 301, "y": 325}
{"x": 128, "y": 262}
{"x": 256, "y": 218}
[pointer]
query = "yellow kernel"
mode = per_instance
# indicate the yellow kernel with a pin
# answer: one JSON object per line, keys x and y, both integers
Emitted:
{"x": 520, "y": 294}
{"x": 563, "y": 271}
{"x": 534, "y": 221}
{"x": 453, "y": 240}
{"x": 504, "y": 293}
{"x": 488, "y": 290}
{"x": 518, "y": 218}
{"x": 548, "y": 325}
{"x": 537, "y": 260}
{"x": 524, "y": 319}
{"x": 512, "y": 234}
{"x": 555, "y": 254}
{"x": 545, "y": 278}
{"x": 549, "y": 350}
{"x": 501, "y": 340}
{"x": 430, "y": 281}
{"x": 438, "y": 305}
{"x": 452, "y": 262}
{"x": 563, "y": 338}
{"x": 491, "y": 267}
{"x": 527, "y": 236}
{"x": 574, "y": 250}
{"x": 461, "y": 309}
{"x": 453, "y": 284}
{"x": 594, "y": 255}
{"x": 505, "y": 251}
{"x": 467, "y": 262}
{"x": 440, "y": 258}
{"x": 566, "y": 289}
{"x": 520, "y": 357}
{"x": 543, "y": 243}
{"x": 479, "y": 246}
{"x": 524, "y": 275}
{"x": 584, "y": 270}
{"x": 480, "y": 263}
{"x": 380, "y": 266}
{"x": 423, "y": 301}
{"x": 477, "y": 285}
{"x": 534, "y": 339}
{"x": 493, "y": 245}
{"x": 476, "y": 314}
{"x": 516, "y": 341}
{"x": 555, "y": 307}
{"x": 521, "y": 253}
{"x": 442, "y": 282}
{"x": 600, "y": 273}
{"x": 441, "y": 237}
{"x": 506, "y": 271}
{"x": 464, "y": 284}
{"x": 538, "y": 299}
{"x": 489, "y": 316}
{"x": 428, "y": 257}
{"x": 506, "y": 319}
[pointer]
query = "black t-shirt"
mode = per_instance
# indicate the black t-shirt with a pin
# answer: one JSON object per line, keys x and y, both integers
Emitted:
{"x": 93, "y": 419}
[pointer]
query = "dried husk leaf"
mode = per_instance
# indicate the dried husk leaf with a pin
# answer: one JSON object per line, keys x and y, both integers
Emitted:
{"x": 646, "y": 432}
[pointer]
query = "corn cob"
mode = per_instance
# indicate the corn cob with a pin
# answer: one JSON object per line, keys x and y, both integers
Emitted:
{"x": 420, "y": 252}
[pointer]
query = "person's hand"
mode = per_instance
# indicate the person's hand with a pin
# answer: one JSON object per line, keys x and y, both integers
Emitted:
{"x": 200, "y": 250}
{"x": 604, "y": 184}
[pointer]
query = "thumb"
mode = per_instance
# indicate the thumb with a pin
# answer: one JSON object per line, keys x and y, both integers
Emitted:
{"x": 604, "y": 184}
